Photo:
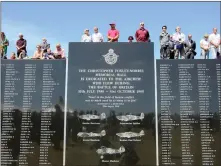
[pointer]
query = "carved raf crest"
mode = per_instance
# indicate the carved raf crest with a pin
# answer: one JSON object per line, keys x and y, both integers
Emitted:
{"x": 110, "y": 58}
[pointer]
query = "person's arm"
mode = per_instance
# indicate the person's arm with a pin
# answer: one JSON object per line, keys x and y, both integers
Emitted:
{"x": 92, "y": 37}
{"x": 168, "y": 39}
{"x": 6, "y": 43}
{"x": 41, "y": 55}
{"x": 51, "y": 57}
{"x": 25, "y": 44}
{"x": 82, "y": 38}
{"x": 20, "y": 55}
{"x": 62, "y": 54}
{"x": 48, "y": 46}
{"x": 102, "y": 38}
{"x": 18, "y": 48}
{"x": 147, "y": 35}
{"x": 117, "y": 37}
{"x": 211, "y": 41}
{"x": 194, "y": 45}
{"x": 34, "y": 56}
{"x": 136, "y": 35}
{"x": 109, "y": 38}
{"x": 186, "y": 47}
{"x": 160, "y": 38}
{"x": 201, "y": 45}
{"x": 219, "y": 43}
{"x": 183, "y": 38}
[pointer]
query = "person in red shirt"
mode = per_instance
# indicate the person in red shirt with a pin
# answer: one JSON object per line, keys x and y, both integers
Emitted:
{"x": 113, "y": 34}
{"x": 142, "y": 34}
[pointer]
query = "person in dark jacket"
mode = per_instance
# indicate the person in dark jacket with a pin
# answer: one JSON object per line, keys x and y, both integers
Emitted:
{"x": 171, "y": 46}
{"x": 189, "y": 48}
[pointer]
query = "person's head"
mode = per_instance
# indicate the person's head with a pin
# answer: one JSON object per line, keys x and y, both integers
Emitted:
{"x": 2, "y": 35}
{"x": 20, "y": 36}
{"x": 113, "y": 25}
{"x": 178, "y": 29}
{"x": 95, "y": 30}
{"x": 44, "y": 40}
{"x": 48, "y": 50}
{"x": 130, "y": 38}
{"x": 86, "y": 31}
{"x": 164, "y": 28}
{"x": 190, "y": 37}
{"x": 214, "y": 30}
{"x": 58, "y": 47}
{"x": 13, "y": 54}
{"x": 142, "y": 24}
{"x": 206, "y": 36}
{"x": 38, "y": 47}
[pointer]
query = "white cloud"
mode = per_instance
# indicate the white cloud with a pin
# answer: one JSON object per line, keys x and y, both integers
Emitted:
{"x": 32, "y": 33}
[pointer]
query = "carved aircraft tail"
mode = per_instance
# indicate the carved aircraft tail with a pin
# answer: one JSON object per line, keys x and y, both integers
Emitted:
{"x": 121, "y": 149}
{"x": 103, "y": 133}
{"x": 102, "y": 116}
{"x": 142, "y": 116}
{"x": 141, "y": 132}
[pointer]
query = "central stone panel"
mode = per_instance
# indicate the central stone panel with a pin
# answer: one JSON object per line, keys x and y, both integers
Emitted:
{"x": 111, "y": 104}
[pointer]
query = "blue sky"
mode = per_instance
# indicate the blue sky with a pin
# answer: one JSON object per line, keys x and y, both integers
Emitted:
{"x": 63, "y": 22}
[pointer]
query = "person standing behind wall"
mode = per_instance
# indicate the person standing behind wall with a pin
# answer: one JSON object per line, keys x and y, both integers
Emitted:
{"x": 205, "y": 46}
{"x": 21, "y": 45}
{"x": 4, "y": 43}
{"x": 190, "y": 47}
{"x": 171, "y": 46}
{"x": 164, "y": 42}
{"x": 97, "y": 36}
{"x": 113, "y": 34}
{"x": 45, "y": 45}
{"x": 179, "y": 39}
{"x": 142, "y": 34}
{"x": 86, "y": 37}
{"x": 214, "y": 40}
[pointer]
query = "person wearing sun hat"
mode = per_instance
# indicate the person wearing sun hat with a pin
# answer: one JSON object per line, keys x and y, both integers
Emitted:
{"x": 205, "y": 47}
{"x": 113, "y": 34}
{"x": 86, "y": 37}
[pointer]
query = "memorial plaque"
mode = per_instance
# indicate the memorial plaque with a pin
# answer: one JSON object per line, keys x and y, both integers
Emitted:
{"x": 111, "y": 105}
{"x": 32, "y": 116}
{"x": 189, "y": 109}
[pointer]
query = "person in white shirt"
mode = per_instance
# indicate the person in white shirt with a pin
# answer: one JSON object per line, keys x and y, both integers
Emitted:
{"x": 86, "y": 37}
{"x": 205, "y": 46}
{"x": 97, "y": 36}
{"x": 179, "y": 39}
{"x": 214, "y": 40}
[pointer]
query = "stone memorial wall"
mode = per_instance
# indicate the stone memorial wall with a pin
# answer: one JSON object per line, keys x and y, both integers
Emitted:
{"x": 110, "y": 104}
